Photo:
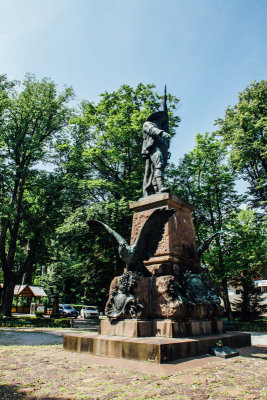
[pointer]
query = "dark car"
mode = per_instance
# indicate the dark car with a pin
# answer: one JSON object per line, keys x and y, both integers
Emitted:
{"x": 67, "y": 310}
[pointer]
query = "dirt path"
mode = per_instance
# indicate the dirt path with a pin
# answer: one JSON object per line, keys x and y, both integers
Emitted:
{"x": 47, "y": 372}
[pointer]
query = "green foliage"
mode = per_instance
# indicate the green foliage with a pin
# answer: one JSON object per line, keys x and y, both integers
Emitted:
{"x": 59, "y": 323}
{"x": 244, "y": 130}
{"x": 245, "y": 245}
{"x": 35, "y": 322}
{"x": 32, "y": 116}
{"x": 255, "y": 325}
{"x": 204, "y": 179}
{"x": 109, "y": 141}
{"x": 39, "y": 314}
{"x": 83, "y": 261}
{"x": 103, "y": 172}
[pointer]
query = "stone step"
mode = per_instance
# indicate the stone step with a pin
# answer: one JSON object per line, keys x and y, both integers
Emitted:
{"x": 154, "y": 349}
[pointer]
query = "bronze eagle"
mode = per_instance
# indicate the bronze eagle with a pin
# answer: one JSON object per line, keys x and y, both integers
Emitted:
{"x": 146, "y": 243}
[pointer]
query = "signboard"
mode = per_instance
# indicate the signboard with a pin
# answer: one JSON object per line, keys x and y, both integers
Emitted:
{"x": 261, "y": 283}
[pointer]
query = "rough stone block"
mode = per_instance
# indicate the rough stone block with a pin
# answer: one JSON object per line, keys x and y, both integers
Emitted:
{"x": 159, "y": 328}
{"x": 178, "y": 243}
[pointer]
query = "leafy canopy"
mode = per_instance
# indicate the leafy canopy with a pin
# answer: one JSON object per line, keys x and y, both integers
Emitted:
{"x": 243, "y": 129}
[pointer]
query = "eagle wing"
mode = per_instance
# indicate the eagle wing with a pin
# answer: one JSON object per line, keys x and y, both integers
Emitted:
{"x": 98, "y": 224}
{"x": 150, "y": 234}
{"x": 205, "y": 245}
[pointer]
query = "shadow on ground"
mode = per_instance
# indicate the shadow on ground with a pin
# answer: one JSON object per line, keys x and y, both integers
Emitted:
{"x": 254, "y": 352}
{"x": 14, "y": 392}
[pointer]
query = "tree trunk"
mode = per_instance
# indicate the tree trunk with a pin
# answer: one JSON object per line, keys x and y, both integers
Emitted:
{"x": 27, "y": 269}
{"x": 27, "y": 278}
{"x": 226, "y": 300}
{"x": 248, "y": 289}
{"x": 8, "y": 294}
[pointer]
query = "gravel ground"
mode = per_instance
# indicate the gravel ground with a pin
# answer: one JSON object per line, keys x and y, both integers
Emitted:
{"x": 30, "y": 371}
{"x": 11, "y": 338}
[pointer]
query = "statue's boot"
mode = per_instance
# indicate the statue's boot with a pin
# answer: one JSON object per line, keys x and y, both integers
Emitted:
{"x": 161, "y": 187}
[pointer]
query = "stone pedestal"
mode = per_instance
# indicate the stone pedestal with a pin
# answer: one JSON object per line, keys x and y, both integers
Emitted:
{"x": 178, "y": 247}
{"x": 174, "y": 288}
{"x": 178, "y": 313}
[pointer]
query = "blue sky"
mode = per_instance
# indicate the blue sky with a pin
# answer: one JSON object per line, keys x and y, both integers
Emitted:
{"x": 206, "y": 51}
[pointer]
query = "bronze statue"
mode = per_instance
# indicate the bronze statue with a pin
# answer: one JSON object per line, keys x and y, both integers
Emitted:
{"x": 123, "y": 301}
{"x": 156, "y": 142}
{"x": 147, "y": 242}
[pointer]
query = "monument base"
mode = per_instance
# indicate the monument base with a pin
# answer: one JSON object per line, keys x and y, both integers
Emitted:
{"x": 158, "y": 350}
{"x": 159, "y": 328}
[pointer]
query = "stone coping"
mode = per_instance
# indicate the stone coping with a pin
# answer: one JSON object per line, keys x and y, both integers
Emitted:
{"x": 161, "y": 199}
{"x": 160, "y": 340}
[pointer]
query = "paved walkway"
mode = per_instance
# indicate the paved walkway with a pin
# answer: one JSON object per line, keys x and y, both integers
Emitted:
{"x": 258, "y": 338}
{"x": 38, "y": 336}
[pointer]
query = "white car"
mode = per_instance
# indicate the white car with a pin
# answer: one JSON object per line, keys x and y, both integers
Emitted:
{"x": 89, "y": 312}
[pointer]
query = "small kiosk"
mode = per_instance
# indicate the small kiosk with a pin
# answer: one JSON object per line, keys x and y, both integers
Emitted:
{"x": 27, "y": 298}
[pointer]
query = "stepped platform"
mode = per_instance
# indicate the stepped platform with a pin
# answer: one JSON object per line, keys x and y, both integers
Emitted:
{"x": 154, "y": 349}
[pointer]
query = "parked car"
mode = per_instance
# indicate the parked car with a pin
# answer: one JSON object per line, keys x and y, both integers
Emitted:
{"x": 89, "y": 312}
{"x": 67, "y": 310}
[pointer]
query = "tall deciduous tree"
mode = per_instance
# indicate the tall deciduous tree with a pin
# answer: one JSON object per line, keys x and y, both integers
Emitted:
{"x": 32, "y": 115}
{"x": 245, "y": 245}
{"x": 205, "y": 180}
{"x": 244, "y": 130}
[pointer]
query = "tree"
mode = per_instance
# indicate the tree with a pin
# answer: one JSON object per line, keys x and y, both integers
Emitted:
{"x": 243, "y": 129}
{"x": 42, "y": 212}
{"x": 32, "y": 116}
{"x": 204, "y": 179}
{"x": 245, "y": 245}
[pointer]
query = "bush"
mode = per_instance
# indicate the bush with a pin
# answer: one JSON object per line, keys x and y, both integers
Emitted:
{"x": 39, "y": 322}
{"x": 61, "y": 323}
{"x": 39, "y": 314}
{"x": 57, "y": 316}
{"x": 259, "y": 325}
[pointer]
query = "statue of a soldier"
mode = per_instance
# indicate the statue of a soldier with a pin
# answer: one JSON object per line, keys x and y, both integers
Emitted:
{"x": 156, "y": 142}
